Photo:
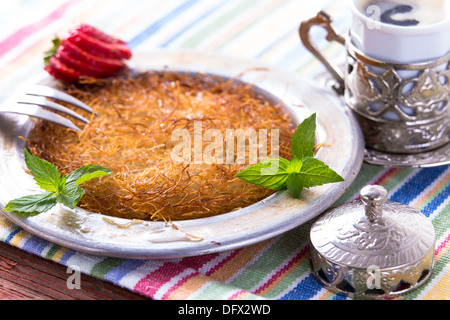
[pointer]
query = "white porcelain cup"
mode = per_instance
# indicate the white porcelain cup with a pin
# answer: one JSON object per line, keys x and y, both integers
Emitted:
{"x": 427, "y": 40}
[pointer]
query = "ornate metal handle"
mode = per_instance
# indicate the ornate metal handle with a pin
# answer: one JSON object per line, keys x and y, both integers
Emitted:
{"x": 322, "y": 19}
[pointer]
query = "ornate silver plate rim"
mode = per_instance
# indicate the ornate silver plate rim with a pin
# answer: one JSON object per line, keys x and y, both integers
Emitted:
{"x": 437, "y": 157}
{"x": 98, "y": 234}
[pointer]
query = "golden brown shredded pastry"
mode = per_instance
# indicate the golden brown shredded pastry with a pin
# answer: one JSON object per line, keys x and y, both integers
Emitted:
{"x": 131, "y": 134}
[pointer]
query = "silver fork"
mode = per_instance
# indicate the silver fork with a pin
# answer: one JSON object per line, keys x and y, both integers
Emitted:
{"x": 33, "y": 99}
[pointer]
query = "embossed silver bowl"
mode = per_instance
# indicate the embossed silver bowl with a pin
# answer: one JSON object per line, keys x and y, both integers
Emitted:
{"x": 373, "y": 247}
{"x": 402, "y": 108}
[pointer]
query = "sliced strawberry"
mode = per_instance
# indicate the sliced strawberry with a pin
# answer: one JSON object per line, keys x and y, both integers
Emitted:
{"x": 97, "y": 47}
{"x": 86, "y": 51}
{"x": 52, "y": 72}
{"x": 82, "y": 55}
{"x": 88, "y": 69}
{"x": 99, "y": 35}
{"x": 62, "y": 72}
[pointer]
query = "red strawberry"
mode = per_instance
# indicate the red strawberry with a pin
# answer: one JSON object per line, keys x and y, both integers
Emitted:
{"x": 82, "y": 55}
{"x": 98, "y": 47}
{"x": 89, "y": 69}
{"x": 99, "y": 35}
{"x": 86, "y": 51}
{"x": 60, "y": 71}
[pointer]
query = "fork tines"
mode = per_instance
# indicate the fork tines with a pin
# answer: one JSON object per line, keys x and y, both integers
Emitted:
{"x": 33, "y": 100}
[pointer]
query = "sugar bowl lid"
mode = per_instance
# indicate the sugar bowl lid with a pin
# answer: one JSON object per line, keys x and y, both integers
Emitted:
{"x": 372, "y": 247}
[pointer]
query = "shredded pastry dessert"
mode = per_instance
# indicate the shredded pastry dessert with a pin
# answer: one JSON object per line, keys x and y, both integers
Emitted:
{"x": 132, "y": 131}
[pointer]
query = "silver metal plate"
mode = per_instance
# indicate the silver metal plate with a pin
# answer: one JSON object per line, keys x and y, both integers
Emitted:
{"x": 98, "y": 234}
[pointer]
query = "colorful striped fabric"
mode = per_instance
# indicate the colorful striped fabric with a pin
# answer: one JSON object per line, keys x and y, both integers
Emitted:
{"x": 265, "y": 30}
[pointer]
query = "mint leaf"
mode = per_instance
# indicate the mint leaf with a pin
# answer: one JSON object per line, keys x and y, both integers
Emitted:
{"x": 303, "y": 138}
{"x": 315, "y": 173}
{"x": 295, "y": 166}
{"x": 70, "y": 195}
{"x": 269, "y": 173}
{"x": 303, "y": 171}
{"x": 45, "y": 173}
{"x": 294, "y": 184}
{"x": 31, "y": 205}
{"x": 60, "y": 189}
{"x": 86, "y": 173}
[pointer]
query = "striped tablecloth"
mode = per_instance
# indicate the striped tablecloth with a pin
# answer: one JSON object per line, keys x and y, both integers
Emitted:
{"x": 264, "y": 30}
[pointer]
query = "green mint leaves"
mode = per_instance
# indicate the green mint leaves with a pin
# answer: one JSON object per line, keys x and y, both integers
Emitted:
{"x": 303, "y": 171}
{"x": 59, "y": 189}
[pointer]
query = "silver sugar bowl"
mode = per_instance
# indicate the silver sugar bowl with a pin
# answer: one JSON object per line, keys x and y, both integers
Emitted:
{"x": 372, "y": 247}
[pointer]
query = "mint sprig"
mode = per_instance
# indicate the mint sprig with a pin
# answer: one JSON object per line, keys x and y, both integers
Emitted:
{"x": 58, "y": 188}
{"x": 303, "y": 171}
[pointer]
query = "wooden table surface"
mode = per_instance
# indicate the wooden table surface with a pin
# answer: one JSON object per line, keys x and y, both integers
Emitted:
{"x": 24, "y": 276}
